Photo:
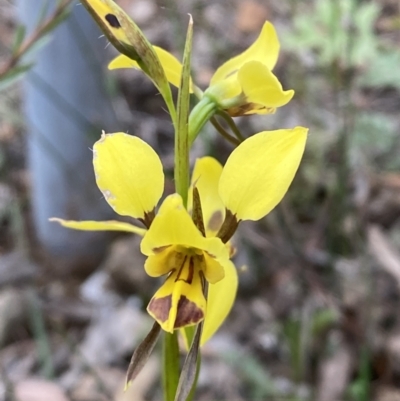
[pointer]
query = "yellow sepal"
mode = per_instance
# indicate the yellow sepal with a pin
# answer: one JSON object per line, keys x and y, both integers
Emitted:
{"x": 259, "y": 171}
{"x": 89, "y": 225}
{"x": 129, "y": 173}
{"x": 265, "y": 49}
{"x": 221, "y": 297}
{"x": 171, "y": 65}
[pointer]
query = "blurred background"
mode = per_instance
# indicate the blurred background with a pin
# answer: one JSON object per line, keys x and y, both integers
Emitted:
{"x": 317, "y": 315}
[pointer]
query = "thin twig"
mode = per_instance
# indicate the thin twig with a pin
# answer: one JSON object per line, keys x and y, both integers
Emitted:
{"x": 224, "y": 133}
{"x": 34, "y": 37}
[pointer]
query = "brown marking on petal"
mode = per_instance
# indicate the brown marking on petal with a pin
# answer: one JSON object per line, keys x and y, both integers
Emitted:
{"x": 189, "y": 278}
{"x": 232, "y": 251}
{"x": 228, "y": 227}
{"x": 197, "y": 212}
{"x": 188, "y": 313}
{"x": 149, "y": 217}
{"x": 247, "y": 109}
{"x": 182, "y": 265}
{"x": 112, "y": 21}
{"x": 215, "y": 221}
{"x": 160, "y": 307}
{"x": 160, "y": 248}
{"x": 190, "y": 275}
{"x": 232, "y": 73}
{"x": 241, "y": 110}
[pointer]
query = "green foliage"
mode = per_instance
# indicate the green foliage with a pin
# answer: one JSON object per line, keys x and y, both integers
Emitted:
{"x": 326, "y": 32}
{"x": 301, "y": 332}
{"x": 15, "y": 68}
{"x": 383, "y": 71}
{"x": 343, "y": 33}
{"x": 13, "y": 75}
{"x": 261, "y": 386}
{"x": 374, "y": 139}
{"x": 359, "y": 389}
{"x": 19, "y": 37}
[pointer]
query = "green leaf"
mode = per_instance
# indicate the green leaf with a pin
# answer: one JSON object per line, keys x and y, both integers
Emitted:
{"x": 191, "y": 367}
{"x": 37, "y": 45}
{"x": 19, "y": 37}
{"x": 383, "y": 70}
{"x": 142, "y": 353}
{"x": 12, "y": 76}
{"x": 171, "y": 358}
{"x": 56, "y": 21}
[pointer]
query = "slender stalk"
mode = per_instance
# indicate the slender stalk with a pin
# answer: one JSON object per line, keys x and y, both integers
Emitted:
{"x": 223, "y": 132}
{"x": 232, "y": 125}
{"x": 200, "y": 114}
{"x": 170, "y": 374}
{"x": 182, "y": 145}
{"x": 42, "y": 30}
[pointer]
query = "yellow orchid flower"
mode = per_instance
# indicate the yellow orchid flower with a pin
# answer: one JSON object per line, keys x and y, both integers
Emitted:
{"x": 243, "y": 85}
{"x": 254, "y": 179}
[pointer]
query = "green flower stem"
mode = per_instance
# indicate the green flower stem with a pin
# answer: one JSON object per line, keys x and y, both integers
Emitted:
{"x": 222, "y": 131}
{"x": 231, "y": 123}
{"x": 200, "y": 114}
{"x": 232, "y": 102}
{"x": 170, "y": 374}
{"x": 182, "y": 146}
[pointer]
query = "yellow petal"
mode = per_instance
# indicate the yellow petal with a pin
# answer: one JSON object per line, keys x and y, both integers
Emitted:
{"x": 171, "y": 65}
{"x": 122, "y": 61}
{"x": 162, "y": 261}
{"x": 261, "y": 86}
{"x": 213, "y": 270}
{"x": 178, "y": 303}
{"x": 90, "y": 225}
{"x": 129, "y": 174}
{"x": 259, "y": 171}
{"x": 174, "y": 226}
{"x": 205, "y": 177}
{"x": 172, "y": 258}
{"x": 265, "y": 49}
{"x": 221, "y": 297}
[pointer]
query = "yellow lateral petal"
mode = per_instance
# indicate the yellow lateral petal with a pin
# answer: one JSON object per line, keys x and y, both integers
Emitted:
{"x": 214, "y": 271}
{"x": 171, "y": 65}
{"x": 178, "y": 303}
{"x": 89, "y": 225}
{"x": 161, "y": 262}
{"x": 261, "y": 86}
{"x": 259, "y": 171}
{"x": 265, "y": 49}
{"x": 174, "y": 226}
{"x": 221, "y": 297}
{"x": 129, "y": 174}
{"x": 122, "y": 61}
{"x": 205, "y": 177}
